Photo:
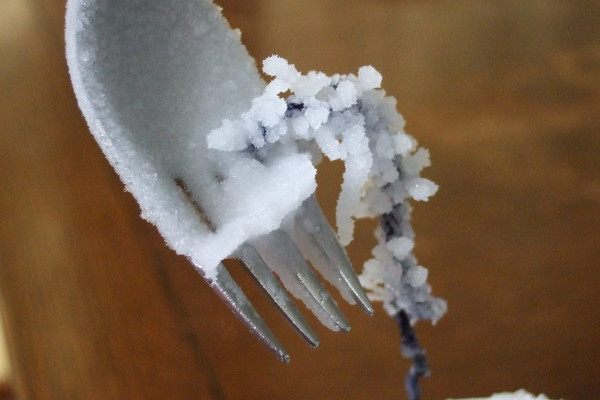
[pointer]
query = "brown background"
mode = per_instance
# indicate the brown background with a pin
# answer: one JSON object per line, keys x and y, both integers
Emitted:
{"x": 505, "y": 94}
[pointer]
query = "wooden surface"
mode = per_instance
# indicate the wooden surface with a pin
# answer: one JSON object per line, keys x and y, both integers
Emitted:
{"x": 505, "y": 94}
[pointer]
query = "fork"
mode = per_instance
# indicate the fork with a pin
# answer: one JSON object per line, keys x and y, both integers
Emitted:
{"x": 287, "y": 259}
{"x": 152, "y": 78}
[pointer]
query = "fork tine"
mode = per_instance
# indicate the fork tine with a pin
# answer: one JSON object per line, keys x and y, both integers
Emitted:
{"x": 257, "y": 267}
{"x": 238, "y": 303}
{"x": 283, "y": 256}
{"x": 317, "y": 239}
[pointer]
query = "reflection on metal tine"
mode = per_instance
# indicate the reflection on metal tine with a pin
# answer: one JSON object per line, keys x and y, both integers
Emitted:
{"x": 257, "y": 267}
{"x": 224, "y": 285}
{"x": 284, "y": 257}
{"x": 312, "y": 223}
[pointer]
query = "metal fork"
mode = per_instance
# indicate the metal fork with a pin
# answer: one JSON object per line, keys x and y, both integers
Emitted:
{"x": 146, "y": 87}
{"x": 287, "y": 259}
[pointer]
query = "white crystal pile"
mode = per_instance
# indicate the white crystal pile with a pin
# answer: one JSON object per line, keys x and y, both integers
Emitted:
{"x": 349, "y": 118}
{"x": 518, "y": 395}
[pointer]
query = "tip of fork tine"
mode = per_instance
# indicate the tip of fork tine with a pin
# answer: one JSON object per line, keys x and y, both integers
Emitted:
{"x": 263, "y": 275}
{"x": 323, "y": 236}
{"x": 322, "y": 297}
{"x": 357, "y": 291}
{"x": 281, "y": 254}
{"x": 226, "y": 287}
{"x": 283, "y": 356}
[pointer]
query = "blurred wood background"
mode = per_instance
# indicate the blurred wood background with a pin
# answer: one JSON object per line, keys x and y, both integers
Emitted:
{"x": 504, "y": 93}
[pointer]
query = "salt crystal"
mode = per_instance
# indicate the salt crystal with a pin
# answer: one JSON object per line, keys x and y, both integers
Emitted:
{"x": 316, "y": 116}
{"x": 400, "y": 247}
{"x": 414, "y": 163}
{"x": 277, "y": 66}
{"x": 276, "y": 86}
{"x": 268, "y": 109}
{"x": 421, "y": 188}
{"x": 402, "y": 144}
{"x": 309, "y": 85}
{"x": 378, "y": 202}
{"x": 346, "y": 93}
{"x": 300, "y": 126}
{"x": 384, "y": 146}
{"x": 416, "y": 276}
{"x": 369, "y": 78}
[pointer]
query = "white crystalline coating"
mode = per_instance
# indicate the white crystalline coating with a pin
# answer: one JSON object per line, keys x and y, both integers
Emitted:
{"x": 402, "y": 144}
{"x": 349, "y": 118}
{"x": 400, "y": 247}
{"x": 421, "y": 188}
{"x": 152, "y": 81}
{"x": 345, "y": 94}
{"x": 228, "y": 139}
{"x": 416, "y": 276}
{"x": 328, "y": 113}
{"x": 369, "y": 77}
{"x": 215, "y": 157}
{"x": 413, "y": 164}
{"x": 277, "y": 66}
{"x": 518, "y": 395}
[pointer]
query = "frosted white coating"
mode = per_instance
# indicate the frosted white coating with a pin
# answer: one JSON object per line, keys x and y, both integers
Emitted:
{"x": 349, "y": 118}
{"x": 400, "y": 246}
{"x": 416, "y": 276}
{"x": 346, "y": 115}
{"x": 216, "y": 157}
{"x": 518, "y": 395}
{"x": 152, "y": 79}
